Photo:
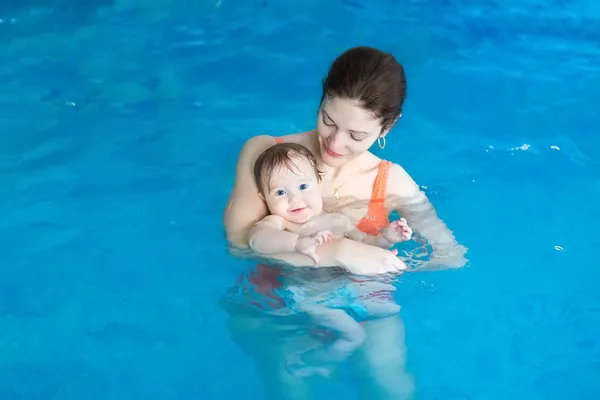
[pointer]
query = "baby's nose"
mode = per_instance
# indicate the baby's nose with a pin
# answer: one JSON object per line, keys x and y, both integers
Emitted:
{"x": 295, "y": 199}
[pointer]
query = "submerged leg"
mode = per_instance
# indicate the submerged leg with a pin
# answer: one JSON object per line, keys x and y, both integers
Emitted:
{"x": 348, "y": 334}
{"x": 379, "y": 366}
{"x": 268, "y": 345}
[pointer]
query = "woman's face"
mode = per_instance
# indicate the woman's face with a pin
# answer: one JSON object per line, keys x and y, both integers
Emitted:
{"x": 345, "y": 130}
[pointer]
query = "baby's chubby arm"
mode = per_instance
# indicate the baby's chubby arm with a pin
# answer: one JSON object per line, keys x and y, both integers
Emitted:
{"x": 341, "y": 226}
{"x": 396, "y": 232}
{"x": 338, "y": 224}
{"x": 263, "y": 241}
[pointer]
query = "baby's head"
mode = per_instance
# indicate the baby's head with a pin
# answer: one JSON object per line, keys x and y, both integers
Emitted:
{"x": 288, "y": 180}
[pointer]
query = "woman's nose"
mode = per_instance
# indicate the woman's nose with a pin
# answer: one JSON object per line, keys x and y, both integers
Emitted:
{"x": 335, "y": 141}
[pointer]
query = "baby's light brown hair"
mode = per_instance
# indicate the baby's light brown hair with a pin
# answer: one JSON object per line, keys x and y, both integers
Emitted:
{"x": 281, "y": 155}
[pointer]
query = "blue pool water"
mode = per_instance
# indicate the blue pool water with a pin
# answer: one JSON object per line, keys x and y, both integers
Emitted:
{"x": 121, "y": 121}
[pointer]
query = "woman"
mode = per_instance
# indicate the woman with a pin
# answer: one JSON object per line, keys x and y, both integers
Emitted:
{"x": 362, "y": 99}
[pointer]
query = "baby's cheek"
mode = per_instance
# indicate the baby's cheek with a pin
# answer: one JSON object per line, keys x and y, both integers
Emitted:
{"x": 277, "y": 208}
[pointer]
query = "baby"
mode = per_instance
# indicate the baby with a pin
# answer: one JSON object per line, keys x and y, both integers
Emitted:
{"x": 288, "y": 181}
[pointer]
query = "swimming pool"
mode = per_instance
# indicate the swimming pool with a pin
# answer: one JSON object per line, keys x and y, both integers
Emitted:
{"x": 121, "y": 124}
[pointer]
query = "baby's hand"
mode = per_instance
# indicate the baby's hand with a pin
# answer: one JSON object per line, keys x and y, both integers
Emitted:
{"x": 308, "y": 244}
{"x": 396, "y": 232}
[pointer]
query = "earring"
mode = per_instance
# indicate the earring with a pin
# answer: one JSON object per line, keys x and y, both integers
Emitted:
{"x": 381, "y": 141}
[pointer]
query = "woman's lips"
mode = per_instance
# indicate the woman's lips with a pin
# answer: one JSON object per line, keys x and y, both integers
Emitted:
{"x": 330, "y": 152}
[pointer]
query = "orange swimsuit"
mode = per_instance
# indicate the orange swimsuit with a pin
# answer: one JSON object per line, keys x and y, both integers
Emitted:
{"x": 376, "y": 217}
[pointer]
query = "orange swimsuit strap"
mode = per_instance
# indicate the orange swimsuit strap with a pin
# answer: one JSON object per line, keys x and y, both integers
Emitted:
{"x": 377, "y": 216}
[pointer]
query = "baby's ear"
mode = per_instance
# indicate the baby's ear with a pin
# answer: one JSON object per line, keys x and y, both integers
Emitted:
{"x": 260, "y": 194}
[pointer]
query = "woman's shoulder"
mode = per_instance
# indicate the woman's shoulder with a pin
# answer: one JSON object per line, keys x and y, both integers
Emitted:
{"x": 258, "y": 141}
{"x": 252, "y": 148}
{"x": 399, "y": 182}
{"x": 303, "y": 138}
{"x": 269, "y": 140}
{"x": 255, "y": 145}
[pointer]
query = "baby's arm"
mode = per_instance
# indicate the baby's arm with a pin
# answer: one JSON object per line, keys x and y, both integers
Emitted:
{"x": 396, "y": 232}
{"x": 337, "y": 224}
{"x": 262, "y": 240}
{"x": 341, "y": 226}
{"x": 378, "y": 241}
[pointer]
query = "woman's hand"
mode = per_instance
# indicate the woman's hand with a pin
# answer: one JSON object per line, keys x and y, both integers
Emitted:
{"x": 363, "y": 259}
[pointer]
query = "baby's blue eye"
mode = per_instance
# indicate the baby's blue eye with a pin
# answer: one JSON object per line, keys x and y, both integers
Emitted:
{"x": 304, "y": 186}
{"x": 280, "y": 192}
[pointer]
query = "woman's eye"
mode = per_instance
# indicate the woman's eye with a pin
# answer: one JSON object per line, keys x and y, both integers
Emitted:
{"x": 304, "y": 186}
{"x": 327, "y": 121}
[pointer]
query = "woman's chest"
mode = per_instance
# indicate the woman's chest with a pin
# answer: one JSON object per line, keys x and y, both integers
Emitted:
{"x": 351, "y": 199}
{"x": 349, "y": 186}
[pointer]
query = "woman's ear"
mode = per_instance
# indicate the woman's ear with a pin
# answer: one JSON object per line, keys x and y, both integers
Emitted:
{"x": 386, "y": 131}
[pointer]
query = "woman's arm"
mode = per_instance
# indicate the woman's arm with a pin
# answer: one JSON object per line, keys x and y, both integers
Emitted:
{"x": 355, "y": 257}
{"x": 378, "y": 241}
{"x": 245, "y": 208}
{"x": 422, "y": 217}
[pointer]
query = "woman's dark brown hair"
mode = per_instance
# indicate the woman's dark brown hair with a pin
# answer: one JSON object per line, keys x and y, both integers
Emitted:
{"x": 372, "y": 77}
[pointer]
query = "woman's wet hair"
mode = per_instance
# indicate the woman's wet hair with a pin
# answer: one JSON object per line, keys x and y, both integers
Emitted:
{"x": 281, "y": 155}
{"x": 373, "y": 78}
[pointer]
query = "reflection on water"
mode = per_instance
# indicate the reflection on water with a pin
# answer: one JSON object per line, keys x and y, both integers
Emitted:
{"x": 300, "y": 322}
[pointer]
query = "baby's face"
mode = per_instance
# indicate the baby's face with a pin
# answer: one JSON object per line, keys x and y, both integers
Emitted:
{"x": 294, "y": 194}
